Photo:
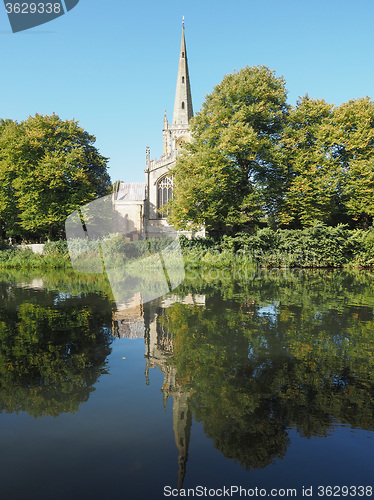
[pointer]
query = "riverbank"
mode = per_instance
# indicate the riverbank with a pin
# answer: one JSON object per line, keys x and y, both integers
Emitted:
{"x": 317, "y": 247}
{"x": 55, "y": 256}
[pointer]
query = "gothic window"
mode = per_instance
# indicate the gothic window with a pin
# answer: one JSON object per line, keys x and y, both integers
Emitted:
{"x": 180, "y": 141}
{"x": 182, "y": 105}
{"x": 164, "y": 194}
{"x": 182, "y": 79}
{"x": 182, "y": 54}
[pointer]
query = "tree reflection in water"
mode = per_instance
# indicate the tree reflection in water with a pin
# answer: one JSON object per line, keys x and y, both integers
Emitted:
{"x": 53, "y": 348}
{"x": 249, "y": 359}
{"x": 262, "y": 357}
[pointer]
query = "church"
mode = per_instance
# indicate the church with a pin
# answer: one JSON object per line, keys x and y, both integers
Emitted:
{"x": 140, "y": 204}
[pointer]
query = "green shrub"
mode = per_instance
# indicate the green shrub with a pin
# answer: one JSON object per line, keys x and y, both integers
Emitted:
{"x": 317, "y": 246}
{"x": 362, "y": 244}
{"x": 59, "y": 247}
{"x": 26, "y": 259}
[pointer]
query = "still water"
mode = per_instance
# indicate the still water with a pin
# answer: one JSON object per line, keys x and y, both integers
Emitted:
{"x": 265, "y": 382}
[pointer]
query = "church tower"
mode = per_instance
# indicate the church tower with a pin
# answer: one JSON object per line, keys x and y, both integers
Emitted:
{"x": 183, "y": 111}
{"x": 177, "y": 132}
{"x": 159, "y": 181}
{"x": 145, "y": 205}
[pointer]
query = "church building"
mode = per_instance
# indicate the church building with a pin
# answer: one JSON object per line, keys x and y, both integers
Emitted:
{"x": 141, "y": 204}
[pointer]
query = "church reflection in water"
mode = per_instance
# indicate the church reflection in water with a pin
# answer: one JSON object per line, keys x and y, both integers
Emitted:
{"x": 146, "y": 320}
{"x": 256, "y": 365}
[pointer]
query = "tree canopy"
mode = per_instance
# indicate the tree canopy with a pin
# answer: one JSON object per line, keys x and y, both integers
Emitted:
{"x": 254, "y": 159}
{"x": 48, "y": 168}
{"x": 220, "y": 179}
{"x": 267, "y": 355}
{"x": 53, "y": 347}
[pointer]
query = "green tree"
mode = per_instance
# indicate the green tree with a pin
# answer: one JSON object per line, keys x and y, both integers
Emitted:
{"x": 49, "y": 167}
{"x": 229, "y": 176}
{"x": 353, "y": 141}
{"x": 329, "y": 163}
{"x": 10, "y": 136}
{"x": 269, "y": 354}
{"x": 310, "y": 168}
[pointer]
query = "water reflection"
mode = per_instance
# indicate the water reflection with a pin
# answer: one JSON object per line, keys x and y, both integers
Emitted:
{"x": 250, "y": 360}
{"x": 150, "y": 321}
{"x": 160, "y": 350}
{"x": 53, "y": 348}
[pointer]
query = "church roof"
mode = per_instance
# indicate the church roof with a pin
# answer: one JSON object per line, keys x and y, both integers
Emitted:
{"x": 131, "y": 191}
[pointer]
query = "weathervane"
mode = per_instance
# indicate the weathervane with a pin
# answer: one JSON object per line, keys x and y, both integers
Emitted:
{"x": 183, "y": 21}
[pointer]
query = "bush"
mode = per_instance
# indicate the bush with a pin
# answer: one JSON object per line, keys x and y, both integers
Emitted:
{"x": 362, "y": 245}
{"x": 59, "y": 247}
{"x": 317, "y": 246}
{"x": 26, "y": 259}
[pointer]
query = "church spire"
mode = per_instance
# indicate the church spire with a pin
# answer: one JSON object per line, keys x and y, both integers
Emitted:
{"x": 183, "y": 111}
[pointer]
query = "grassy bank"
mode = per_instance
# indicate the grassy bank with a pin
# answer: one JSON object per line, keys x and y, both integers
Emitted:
{"x": 55, "y": 257}
{"x": 316, "y": 247}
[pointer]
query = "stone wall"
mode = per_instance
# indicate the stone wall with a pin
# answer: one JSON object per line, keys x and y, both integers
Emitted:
{"x": 35, "y": 247}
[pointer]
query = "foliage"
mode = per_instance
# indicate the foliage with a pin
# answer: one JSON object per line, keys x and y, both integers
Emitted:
{"x": 316, "y": 246}
{"x": 311, "y": 177}
{"x": 270, "y": 354}
{"x": 26, "y": 259}
{"x": 353, "y": 135}
{"x": 59, "y": 247}
{"x": 51, "y": 354}
{"x": 48, "y": 168}
{"x": 328, "y": 157}
{"x": 221, "y": 177}
{"x": 255, "y": 160}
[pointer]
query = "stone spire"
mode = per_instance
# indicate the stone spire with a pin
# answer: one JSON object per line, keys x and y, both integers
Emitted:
{"x": 166, "y": 135}
{"x": 182, "y": 423}
{"x": 183, "y": 111}
{"x": 166, "y": 125}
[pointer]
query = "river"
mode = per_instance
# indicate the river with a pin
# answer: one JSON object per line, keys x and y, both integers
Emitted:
{"x": 262, "y": 382}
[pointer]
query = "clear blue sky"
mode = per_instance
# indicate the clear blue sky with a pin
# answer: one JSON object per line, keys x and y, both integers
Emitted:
{"x": 112, "y": 64}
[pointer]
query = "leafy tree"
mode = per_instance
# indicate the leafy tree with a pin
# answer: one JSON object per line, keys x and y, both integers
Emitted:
{"x": 230, "y": 173}
{"x": 253, "y": 157}
{"x": 9, "y": 136}
{"x": 353, "y": 139}
{"x": 329, "y": 162}
{"x": 49, "y": 167}
{"x": 311, "y": 189}
{"x": 53, "y": 353}
{"x": 295, "y": 356}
